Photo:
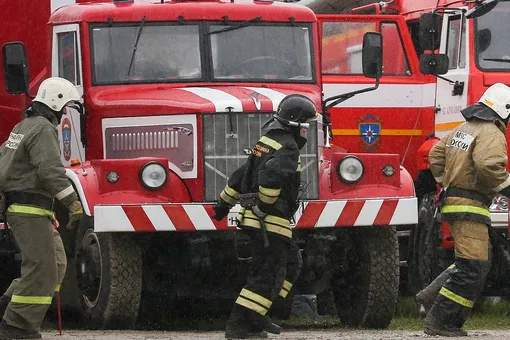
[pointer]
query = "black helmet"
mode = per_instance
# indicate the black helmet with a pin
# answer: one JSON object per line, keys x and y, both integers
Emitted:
{"x": 296, "y": 110}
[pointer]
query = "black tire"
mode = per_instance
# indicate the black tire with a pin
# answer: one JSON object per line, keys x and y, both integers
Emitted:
{"x": 109, "y": 274}
{"x": 366, "y": 290}
{"x": 426, "y": 262}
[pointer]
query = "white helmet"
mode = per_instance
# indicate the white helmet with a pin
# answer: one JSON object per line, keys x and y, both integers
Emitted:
{"x": 497, "y": 97}
{"x": 56, "y": 93}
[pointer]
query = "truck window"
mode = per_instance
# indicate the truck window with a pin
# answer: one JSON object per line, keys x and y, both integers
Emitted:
{"x": 414, "y": 30}
{"x": 164, "y": 53}
{"x": 68, "y": 66}
{"x": 394, "y": 57}
{"x": 342, "y": 46}
{"x": 492, "y": 51}
{"x": 456, "y": 42}
{"x": 265, "y": 52}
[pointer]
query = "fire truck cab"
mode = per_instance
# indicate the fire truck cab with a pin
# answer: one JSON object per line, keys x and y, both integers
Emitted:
{"x": 175, "y": 94}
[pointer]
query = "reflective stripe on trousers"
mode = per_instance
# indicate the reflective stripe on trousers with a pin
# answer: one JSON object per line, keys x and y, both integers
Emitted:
{"x": 254, "y": 301}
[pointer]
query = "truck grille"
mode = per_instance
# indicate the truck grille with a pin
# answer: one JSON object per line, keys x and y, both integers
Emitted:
{"x": 172, "y": 141}
{"x": 228, "y": 140}
{"x": 144, "y": 141}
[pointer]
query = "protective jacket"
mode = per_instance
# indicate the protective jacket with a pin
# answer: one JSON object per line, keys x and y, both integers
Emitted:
{"x": 475, "y": 171}
{"x": 273, "y": 171}
{"x": 31, "y": 172}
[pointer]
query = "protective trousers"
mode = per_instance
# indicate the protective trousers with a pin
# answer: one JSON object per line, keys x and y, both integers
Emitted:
{"x": 294, "y": 265}
{"x": 61, "y": 265}
{"x": 466, "y": 280}
{"x": 264, "y": 283}
{"x": 33, "y": 292}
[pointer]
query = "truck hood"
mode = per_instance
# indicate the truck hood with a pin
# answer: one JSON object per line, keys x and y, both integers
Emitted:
{"x": 135, "y": 100}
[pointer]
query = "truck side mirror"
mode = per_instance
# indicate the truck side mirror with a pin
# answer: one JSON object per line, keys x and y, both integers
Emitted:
{"x": 434, "y": 64}
{"x": 481, "y": 8}
{"x": 372, "y": 55}
{"x": 430, "y": 31}
{"x": 15, "y": 66}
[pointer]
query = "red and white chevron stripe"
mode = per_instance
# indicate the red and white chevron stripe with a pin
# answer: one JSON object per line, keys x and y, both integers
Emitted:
{"x": 196, "y": 217}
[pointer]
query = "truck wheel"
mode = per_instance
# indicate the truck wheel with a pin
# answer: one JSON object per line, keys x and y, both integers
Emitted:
{"x": 366, "y": 289}
{"x": 109, "y": 274}
{"x": 425, "y": 264}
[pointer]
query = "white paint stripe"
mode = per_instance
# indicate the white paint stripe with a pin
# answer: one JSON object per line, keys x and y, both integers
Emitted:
{"x": 299, "y": 213}
{"x": 220, "y": 99}
{"x": 275, "y": 96}
{"x": 387, "y": 95}
{"x": 56, "y": 4}
{"x": 111, "y": 218}
{"x": 199, "y": 217}
{"x": 406, "y": 212}
{"x": 76, "y": 181}
{"x": 499, "y": 219}
{"x": 368, "y": 213}
{"x": 330, "y": 214}
{"x": 158, "y": 217}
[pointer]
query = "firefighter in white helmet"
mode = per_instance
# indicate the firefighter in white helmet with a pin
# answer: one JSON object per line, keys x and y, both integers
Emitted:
{"x": 31, "y": 176}
{"x": 470, "y": 164}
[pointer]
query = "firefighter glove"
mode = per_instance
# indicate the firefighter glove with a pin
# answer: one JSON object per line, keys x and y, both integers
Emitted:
{"x": 75, "y": 214}
{"x": 221, "y": 209}
{"x": 257, "y": 212}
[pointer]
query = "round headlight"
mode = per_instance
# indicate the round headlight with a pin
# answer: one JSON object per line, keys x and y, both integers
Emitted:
{"x": 350, "y": 169}
{"x": 388, "y": 171}
{"x": 153, "y": 175}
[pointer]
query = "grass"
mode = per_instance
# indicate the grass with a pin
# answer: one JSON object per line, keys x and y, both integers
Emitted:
{"x": 487, "y": 314}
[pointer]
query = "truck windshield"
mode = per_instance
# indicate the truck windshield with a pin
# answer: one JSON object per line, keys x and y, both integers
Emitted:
{"x": 163, "y": 53}
{"x": 262, "y": 52}
{"x": 492, "y": 37}
{"x": 249, "y": 51}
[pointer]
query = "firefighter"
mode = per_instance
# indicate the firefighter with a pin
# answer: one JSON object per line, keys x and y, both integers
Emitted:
{"x": 267, "y": 188}
{"x": 470, "y": 164}
{"x": 31, "y": 176}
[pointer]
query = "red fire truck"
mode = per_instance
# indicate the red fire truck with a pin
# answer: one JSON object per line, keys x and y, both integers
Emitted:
{"x": 175, "y": 94}
{"x": 415, "y": 103}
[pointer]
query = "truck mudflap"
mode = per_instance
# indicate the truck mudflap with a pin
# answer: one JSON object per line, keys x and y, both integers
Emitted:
{"x": 311, "y": 214}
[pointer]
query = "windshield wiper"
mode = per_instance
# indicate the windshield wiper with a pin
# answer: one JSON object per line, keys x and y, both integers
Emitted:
{"x": 136, "y": 44}
{"x": 503, "y": 60}
{"x": 235, "y": 27}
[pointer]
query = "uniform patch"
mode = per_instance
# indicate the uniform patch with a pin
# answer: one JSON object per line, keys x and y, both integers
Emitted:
{"x": 14, "y": 140}
{"x": 461, "y": 140}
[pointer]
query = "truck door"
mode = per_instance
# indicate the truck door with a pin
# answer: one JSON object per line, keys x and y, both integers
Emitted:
{"x": 452, "y": 94}
{"x": 66, "y": 63}
{"x": 395, "y": 118}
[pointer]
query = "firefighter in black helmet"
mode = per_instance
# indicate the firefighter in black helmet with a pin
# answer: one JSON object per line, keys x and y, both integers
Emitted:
{"x": 267, "y": 187}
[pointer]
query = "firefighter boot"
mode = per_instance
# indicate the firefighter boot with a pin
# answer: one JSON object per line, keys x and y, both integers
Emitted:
{"x": 243, "y": 324}
{"x": 442, "y": 317}
{"x": 269, "y": 326}
{"x": 8, "y": 332}
{"x": 4, "y": 301}
{"x": 427, "y": 295}
{"x": 453, "y": 304}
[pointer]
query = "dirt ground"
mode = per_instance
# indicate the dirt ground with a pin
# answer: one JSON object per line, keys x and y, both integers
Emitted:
{"x": 288, "y": 335}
